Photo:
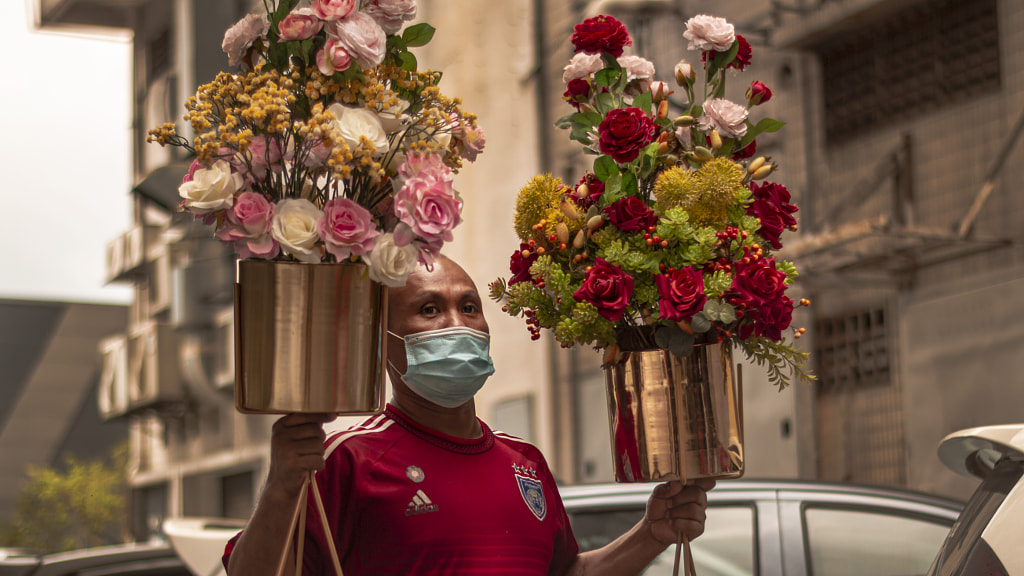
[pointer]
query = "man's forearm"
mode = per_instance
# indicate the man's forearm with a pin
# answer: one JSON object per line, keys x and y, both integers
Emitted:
{"x": 627, "y": 555}
{"x": 258, "y": 551}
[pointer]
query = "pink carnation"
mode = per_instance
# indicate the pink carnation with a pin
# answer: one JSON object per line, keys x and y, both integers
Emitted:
{"x": 241, "y": 36}
{"x": 391, "y": 14}
{"x": 247, "y": 226}
{"x": 346, "y": 228}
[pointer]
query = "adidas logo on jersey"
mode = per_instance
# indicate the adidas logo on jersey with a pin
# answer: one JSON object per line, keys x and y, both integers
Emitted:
{"x": 420, "y": 504}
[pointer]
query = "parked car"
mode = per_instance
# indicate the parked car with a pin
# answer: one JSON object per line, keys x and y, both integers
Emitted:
{"x": 775, "y": 528}
{"x": 988, "y": 538}
{"x": 142, "y": 559}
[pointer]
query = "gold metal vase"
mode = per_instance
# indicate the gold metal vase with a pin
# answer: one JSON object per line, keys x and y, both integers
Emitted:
{"x": 675, "y": 417}
{"x": 309, "y": 338}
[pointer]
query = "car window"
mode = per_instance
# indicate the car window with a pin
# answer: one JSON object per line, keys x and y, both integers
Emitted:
{"x": 844, "y": 542}
{"x": 727, "y": 547}
{"x": 964, "y": 549}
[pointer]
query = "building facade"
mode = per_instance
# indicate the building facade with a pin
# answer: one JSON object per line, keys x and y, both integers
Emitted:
{"x": 902, "y": 120}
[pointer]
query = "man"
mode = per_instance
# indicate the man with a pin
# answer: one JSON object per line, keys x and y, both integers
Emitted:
{"x": 426, "y": 487}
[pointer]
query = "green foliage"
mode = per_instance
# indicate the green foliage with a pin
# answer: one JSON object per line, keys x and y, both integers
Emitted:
{"x": 79, "y": 505}
{"x": 784, "y": 364}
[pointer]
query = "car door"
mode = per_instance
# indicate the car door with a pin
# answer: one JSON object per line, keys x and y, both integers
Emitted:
{"x": 852, "y": 533}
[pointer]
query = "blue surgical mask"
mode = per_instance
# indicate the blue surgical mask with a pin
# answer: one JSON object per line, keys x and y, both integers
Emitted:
{"x": 447, "y": 366}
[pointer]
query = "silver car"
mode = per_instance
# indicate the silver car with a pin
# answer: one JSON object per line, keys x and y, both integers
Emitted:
{"x": 777, "y": 527}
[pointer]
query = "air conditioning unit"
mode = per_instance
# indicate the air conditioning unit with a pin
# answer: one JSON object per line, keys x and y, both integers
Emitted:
{"x": 113, "y": 391}
{"x": 154, "y": 377}
{"x": 134, "y": 249}
{"x": 201, "y": 285}
{"x": 224, "y": 341}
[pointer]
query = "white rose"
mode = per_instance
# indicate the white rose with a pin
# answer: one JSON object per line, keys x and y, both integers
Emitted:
{"x": 353, "y": 123}
{"x": 294, "y": 228}
{"x": 211, "y": 189}
{"x": 389, "y": 264}
{"x": 709, "y": 33}
{"x": 392, "y": 118}
{"x": 582, "y": 65}
{"x": 361, "y": 37}
{"x": 391, "y": 14}
{"x": 727, "y": 117}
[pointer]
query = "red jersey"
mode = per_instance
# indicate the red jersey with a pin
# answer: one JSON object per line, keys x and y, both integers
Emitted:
{"x": 405, "y": 499}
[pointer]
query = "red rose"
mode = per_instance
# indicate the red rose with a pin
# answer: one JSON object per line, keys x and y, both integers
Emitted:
{"x": 600, "y": 34}
{"x": 608, "y": 288}
{"x": 757, "y": 283}
{"x": 577, "y": 91}
{"x": 743, "y": 55}
{"x": 594, "y": 190}
{"x": 771, "y": 319}
{"x": 746, "y": 152}
{"x": 758, "y": 93}
{"x": 682, "y": 294}
{"x": 771, "y": 206}
{"x": 520, "y": 265}
{"x": 624, "y": 132}
{"x": 631, "y": 214}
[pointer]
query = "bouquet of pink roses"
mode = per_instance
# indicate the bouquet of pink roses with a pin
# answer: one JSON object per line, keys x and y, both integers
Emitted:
{"x": 668, "y": 242}
{"x": 328, "y": 145}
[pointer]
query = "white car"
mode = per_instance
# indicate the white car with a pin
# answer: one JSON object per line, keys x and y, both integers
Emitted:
{"x": 988, "y": 537}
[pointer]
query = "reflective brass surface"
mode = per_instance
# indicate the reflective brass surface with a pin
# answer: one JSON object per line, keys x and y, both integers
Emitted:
{"x": 309, "y": 338}
{"x": 675, "y": 418}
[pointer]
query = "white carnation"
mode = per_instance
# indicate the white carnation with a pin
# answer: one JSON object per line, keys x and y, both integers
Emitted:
{"x": 582, "y": 65}
{"x": 727, "y": 117}
{"x": 709, "y": 33}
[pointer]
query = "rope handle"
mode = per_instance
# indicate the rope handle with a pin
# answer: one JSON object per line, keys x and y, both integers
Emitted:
{"x": 298, "y": 524}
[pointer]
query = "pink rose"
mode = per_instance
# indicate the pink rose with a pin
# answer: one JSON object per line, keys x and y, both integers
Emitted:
{"x": 472, "y": 142}
{"x": 363, "y": 39}
{"x": 391, "y": 14}
{"x": 333, "y": 57}
{"x": 425, "y": 204}
{"x": 346, "y": 228}
{"x": 582, "y": 66}
{"x": 639, "y": 70}
{"x": 608, "y": 288}
{"x": 331, "y": 10}
{"x": 240, "y": 37}
{"x": 299, "y": 24}
{"x": 264, "y": 154}
{"x": 317, "y": 155}
{"x": 247, "y": 226}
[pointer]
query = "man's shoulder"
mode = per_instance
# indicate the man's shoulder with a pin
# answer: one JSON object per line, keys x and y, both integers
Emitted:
{"x": 376, "y": 429}
{"x": 515, "y": 442}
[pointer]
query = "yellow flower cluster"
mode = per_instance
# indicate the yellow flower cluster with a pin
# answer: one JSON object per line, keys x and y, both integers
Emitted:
{"x": 706, "y": 193}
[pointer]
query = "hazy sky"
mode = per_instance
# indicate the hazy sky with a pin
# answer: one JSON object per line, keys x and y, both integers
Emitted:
{"x": 65, "y": 125}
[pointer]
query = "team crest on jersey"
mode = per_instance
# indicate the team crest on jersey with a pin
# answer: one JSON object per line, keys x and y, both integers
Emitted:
{"x": 532, "y": 492}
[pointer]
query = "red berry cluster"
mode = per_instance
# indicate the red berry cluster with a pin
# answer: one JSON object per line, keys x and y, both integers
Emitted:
{"x": 532, "y": 324}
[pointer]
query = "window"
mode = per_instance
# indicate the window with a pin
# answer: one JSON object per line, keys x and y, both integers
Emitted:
{"x": 727, "y": 547}
{"x": 912, "y": 62}
{"x": 852, "y": 350}
{"x": 853, "y": 542}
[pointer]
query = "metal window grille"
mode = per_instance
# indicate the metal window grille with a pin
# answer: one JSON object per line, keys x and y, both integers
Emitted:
{"x": 859, "y": 411}
{"x": 923, "y": 58}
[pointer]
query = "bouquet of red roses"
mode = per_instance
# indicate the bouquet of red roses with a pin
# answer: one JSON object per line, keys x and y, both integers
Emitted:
{"x": 668, "y": 241}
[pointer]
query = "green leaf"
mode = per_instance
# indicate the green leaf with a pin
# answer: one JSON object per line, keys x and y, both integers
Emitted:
{"x": 589, "y": 118}
{"x": 643, "y": 102}
{"x": 700, "y": 323}
{"x": 606, "y": 78}
{"x": 605, "y": 168}
{"x": 723, "y": 59}
{"x": 629, "y": 184}
{"x": 612, "y": 188}
{"x": 418, "y": 34}
{"x": 565, "y": 121}
{"x": 580, "y": 134}
{"x": 604, "y": 101}
{"x": 765, "y": 125}
{"x": 395, "y": 43}
{"x": 407, "y": 61}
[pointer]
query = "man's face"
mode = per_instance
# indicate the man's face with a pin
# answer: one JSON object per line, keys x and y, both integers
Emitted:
{"x": 443, "y": 298}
